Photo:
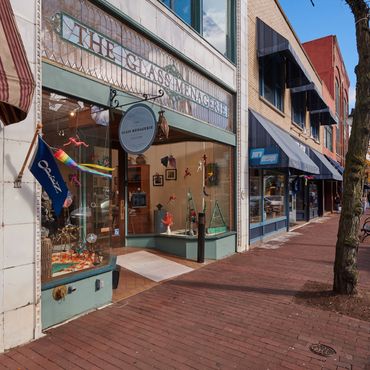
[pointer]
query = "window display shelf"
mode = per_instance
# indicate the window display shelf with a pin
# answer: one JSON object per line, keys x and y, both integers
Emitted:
{"x": 109, "y": 265}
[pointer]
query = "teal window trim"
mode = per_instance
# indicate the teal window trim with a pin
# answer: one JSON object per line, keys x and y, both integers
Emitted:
{"x": 231, "y": 47}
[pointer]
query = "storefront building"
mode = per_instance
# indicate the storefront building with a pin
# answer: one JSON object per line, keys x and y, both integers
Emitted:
{"x": 287, "y": 113}
{"x": 100, "y": 61}
{"x": 98, "y": 64}
{"x": 92, "y": 62}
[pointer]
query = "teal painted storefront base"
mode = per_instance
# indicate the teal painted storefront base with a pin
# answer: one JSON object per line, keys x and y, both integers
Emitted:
{"x": 84, "y": 294}
{"x": 216, "y": 247}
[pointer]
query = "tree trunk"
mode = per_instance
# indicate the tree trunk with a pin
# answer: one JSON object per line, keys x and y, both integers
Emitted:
{"x": 345, "y": 267}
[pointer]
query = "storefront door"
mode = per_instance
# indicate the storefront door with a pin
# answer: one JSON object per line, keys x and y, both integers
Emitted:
{"x": 118, "y": 211}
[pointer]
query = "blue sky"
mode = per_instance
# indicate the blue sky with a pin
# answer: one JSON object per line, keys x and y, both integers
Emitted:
{"x": 327, "y": 17}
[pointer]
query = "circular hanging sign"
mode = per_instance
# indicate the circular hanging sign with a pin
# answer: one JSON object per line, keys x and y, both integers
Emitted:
{"x": 137, "y": 129}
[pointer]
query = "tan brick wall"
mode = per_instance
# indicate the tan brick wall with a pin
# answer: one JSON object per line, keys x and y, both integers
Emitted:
{"x": 269, "y": 12}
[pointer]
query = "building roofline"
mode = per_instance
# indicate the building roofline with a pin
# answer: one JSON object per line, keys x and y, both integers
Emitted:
{"x": 335, "y": 44}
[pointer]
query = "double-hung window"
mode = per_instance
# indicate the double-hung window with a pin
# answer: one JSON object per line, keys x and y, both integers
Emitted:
{"x": 337, "y": 98}
{"x": 299, "y": 109}
{"x": 315, "y": 126}
{"x": 328, "y": 138}
{"x": 272, "y": 80}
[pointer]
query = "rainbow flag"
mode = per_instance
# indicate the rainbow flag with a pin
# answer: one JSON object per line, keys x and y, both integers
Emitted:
{"x": 62, "y": 156}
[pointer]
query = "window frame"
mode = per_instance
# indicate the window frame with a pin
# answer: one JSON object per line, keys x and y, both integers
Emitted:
{"x": 326, "y": 141}
{"x": 262, "y": 69}
{"x": 315, "y": 123}
{"x": 299, "y": 108}
{"x": 337, "y": 97}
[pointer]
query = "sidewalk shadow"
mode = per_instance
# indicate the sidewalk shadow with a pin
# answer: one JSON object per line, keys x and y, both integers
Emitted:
{"x": 229, "y": 287}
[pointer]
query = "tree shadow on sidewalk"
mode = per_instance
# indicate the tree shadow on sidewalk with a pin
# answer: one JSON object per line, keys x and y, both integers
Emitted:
{"x": 229, "y": 287}
{"x": 313, "y": 294}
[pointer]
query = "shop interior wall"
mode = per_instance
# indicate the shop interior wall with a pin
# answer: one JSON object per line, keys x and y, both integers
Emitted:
{"x": 188, "y": 155}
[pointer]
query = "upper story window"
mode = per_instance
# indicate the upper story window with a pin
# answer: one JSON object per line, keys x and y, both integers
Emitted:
{"x": 213, "y": 19}
{"x": 328, "y": 138}
{"x": 338, "y": 140}
{"x": 272, "y": 80}
{"x": 216, "y": 24}
{"x": 315, "y": 126}
{"x": 299, "y": 109}
{"x": 345, "y": 110}
{"x": 337, "y": 98}
{"x": 183, "y": 8}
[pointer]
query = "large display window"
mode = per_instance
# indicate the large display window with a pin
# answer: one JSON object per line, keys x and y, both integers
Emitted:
{"x": 274, "y": 194}
{"x": 255, "y": 198}
{"x": 266, "y": 195}
{"x": 171, "y": 183}
{"x": 79, "y": 238}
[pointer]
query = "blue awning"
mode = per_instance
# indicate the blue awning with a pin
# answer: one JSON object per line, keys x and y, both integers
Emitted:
{"x": 338, "y": 167}
{"x": 327, "y": 170}
{"x": 314, "y": 99}
{"x": 272, "y": 147}
{"x": 325, "y": 116}
{"x": 270, "y": 42}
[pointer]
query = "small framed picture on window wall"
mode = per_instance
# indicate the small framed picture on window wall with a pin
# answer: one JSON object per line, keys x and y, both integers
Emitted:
{"x": 171, "y": 174}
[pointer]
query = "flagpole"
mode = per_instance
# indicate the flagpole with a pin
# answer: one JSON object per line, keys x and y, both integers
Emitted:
{"x": 18, "y": 181}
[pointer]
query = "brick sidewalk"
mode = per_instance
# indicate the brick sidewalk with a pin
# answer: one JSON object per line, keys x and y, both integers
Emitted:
{"x": 236, "y": 313}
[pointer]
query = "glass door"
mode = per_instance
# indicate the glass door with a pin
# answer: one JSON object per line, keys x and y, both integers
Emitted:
{"x": 118, "y": 198}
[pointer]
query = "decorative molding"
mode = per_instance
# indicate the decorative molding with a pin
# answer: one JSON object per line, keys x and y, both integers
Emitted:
{"x": 38, "y": 190}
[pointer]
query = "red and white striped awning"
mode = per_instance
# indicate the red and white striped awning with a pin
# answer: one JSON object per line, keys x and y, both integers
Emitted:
{"x": 16, "y": 80}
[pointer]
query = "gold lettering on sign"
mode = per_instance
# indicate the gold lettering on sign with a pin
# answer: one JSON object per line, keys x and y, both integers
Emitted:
{"x": 97, "y": 43}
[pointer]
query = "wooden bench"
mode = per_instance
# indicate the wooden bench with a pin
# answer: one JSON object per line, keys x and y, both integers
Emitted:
{"x": 365, "y": 229}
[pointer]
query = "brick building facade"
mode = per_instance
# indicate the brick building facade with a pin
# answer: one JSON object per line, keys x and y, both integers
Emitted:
{"x": 290, "y": 109}
{"x": 326, "y": 57}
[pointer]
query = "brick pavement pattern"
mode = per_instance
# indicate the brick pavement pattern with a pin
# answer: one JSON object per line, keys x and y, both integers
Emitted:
{"x": 234, "y": 314}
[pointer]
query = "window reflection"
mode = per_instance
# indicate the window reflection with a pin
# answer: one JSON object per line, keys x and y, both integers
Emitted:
{"x": 215, "y": 16}
{"x": 183, "y": 9}
{"x": 255, "y": 196}
{"x": 274, "y": 195}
